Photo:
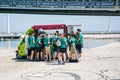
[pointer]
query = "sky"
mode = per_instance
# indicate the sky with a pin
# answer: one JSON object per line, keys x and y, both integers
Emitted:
{"x": 21, "y": 22}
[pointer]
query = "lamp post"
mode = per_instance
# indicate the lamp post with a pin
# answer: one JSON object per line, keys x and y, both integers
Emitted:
{"x": 8, "y": 24}
{"x": 109, "y": 25}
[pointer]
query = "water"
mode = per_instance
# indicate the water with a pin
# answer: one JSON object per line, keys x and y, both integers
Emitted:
{"x": 88, "y": 43}
{"x": 9, "y": 43}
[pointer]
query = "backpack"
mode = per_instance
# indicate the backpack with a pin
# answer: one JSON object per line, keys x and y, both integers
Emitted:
{"x": 58, "y": 42}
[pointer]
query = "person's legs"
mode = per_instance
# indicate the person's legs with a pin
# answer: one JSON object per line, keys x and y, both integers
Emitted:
{"x": 59, "y": 57}
{"x": 56, "y": 50}
{"x": 26, "y": 50}
{"x": 32, "y": 55}
{"x": 80, "y": 54}
{"x": 29, "y": 54}
{"x": 72, "y": 52}
{"x": 49, "y": 54}
{"x": 43, "y": 51}
{"x": 72, "y": 56}
{"x": 41, "y": 55}
{"x": 38, "y": 55}
{"x": 55, "y": 55}
{"x": 46, "y": 55}
{"x": 64, "y": 57}
{"x": 49, "y": 57}
{"x": 79, "y": 50}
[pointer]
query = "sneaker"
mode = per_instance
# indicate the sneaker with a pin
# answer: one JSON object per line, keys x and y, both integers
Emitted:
{"x": 46, "y": 60}
{"x": 50, "y": 61}
{"x": 32, "y": 60}
{"x": 63, "y": 63}
{"x": 59, "y": 62}
{"x": 54, "y": 61}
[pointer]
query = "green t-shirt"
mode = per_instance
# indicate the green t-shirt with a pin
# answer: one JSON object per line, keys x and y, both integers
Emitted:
{"x": 31, "y": 41}
{"x": 46, "y": 42}
{"x": 72, "y": 41}
{"x": 80, "y": 36}
{"x": 38, "y": 40}
{"x": 63, "y": 42}
{"x": 54, "y": 39}
{"x": 76, "y": 42}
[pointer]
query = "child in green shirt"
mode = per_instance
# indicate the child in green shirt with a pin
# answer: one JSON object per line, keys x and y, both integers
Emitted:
{"x": 47, "y": 47}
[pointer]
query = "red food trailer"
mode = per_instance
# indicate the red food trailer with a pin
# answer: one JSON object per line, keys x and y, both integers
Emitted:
{"x": 51, "y": 27}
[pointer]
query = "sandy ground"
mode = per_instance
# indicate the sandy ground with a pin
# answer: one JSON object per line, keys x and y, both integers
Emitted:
{"x": 101, "y": 63}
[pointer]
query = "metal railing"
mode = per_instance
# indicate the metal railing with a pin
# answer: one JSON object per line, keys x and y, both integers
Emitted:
{"x": 60, "y": 3}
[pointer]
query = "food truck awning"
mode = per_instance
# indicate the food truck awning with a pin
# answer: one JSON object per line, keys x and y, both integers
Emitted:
{"x": 49, "y": 27}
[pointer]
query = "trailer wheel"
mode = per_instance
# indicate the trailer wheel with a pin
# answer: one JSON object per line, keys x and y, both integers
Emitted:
{"x": 18, "y": 56}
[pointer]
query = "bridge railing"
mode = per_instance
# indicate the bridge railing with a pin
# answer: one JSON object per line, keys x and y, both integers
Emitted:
{"x": 60, "y": 3}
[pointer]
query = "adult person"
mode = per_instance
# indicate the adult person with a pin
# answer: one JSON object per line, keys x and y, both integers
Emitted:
{"x": 27, "y": 47}
{"x": 39, "y": 48}
{"x": 47, "y": 47}
{"x": 69, "y": 36}
{"x": 54, "y": 40}
{"x": 32, "y": 45}
{"x": 58, "y": 44}
{"x": 79, "y": 44}
{"x": 43, "y": 45}
{"x": 63, "y": 50}
{"x": 72, "y": 42}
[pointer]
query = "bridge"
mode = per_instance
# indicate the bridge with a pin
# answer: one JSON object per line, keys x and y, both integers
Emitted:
{"x": 62, "y": 7}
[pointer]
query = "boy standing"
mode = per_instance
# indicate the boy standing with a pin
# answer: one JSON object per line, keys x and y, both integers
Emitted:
{"x": 54, "y": 40}
{"x": 47, "y": 47}
{"x": 63, "y": 49}
{"x": 39, "y": 48}
{"x": 32, "y": 45}
{"x": 27, "y": 46}
{"x": 72, "y": 42}
{"x": 79, "y": 42}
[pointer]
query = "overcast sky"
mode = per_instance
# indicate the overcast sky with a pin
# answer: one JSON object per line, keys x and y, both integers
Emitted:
{"x": 21, "y": 22}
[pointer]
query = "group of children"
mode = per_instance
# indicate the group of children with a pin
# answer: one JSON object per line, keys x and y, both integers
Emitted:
{"x": 64, "y": 46}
